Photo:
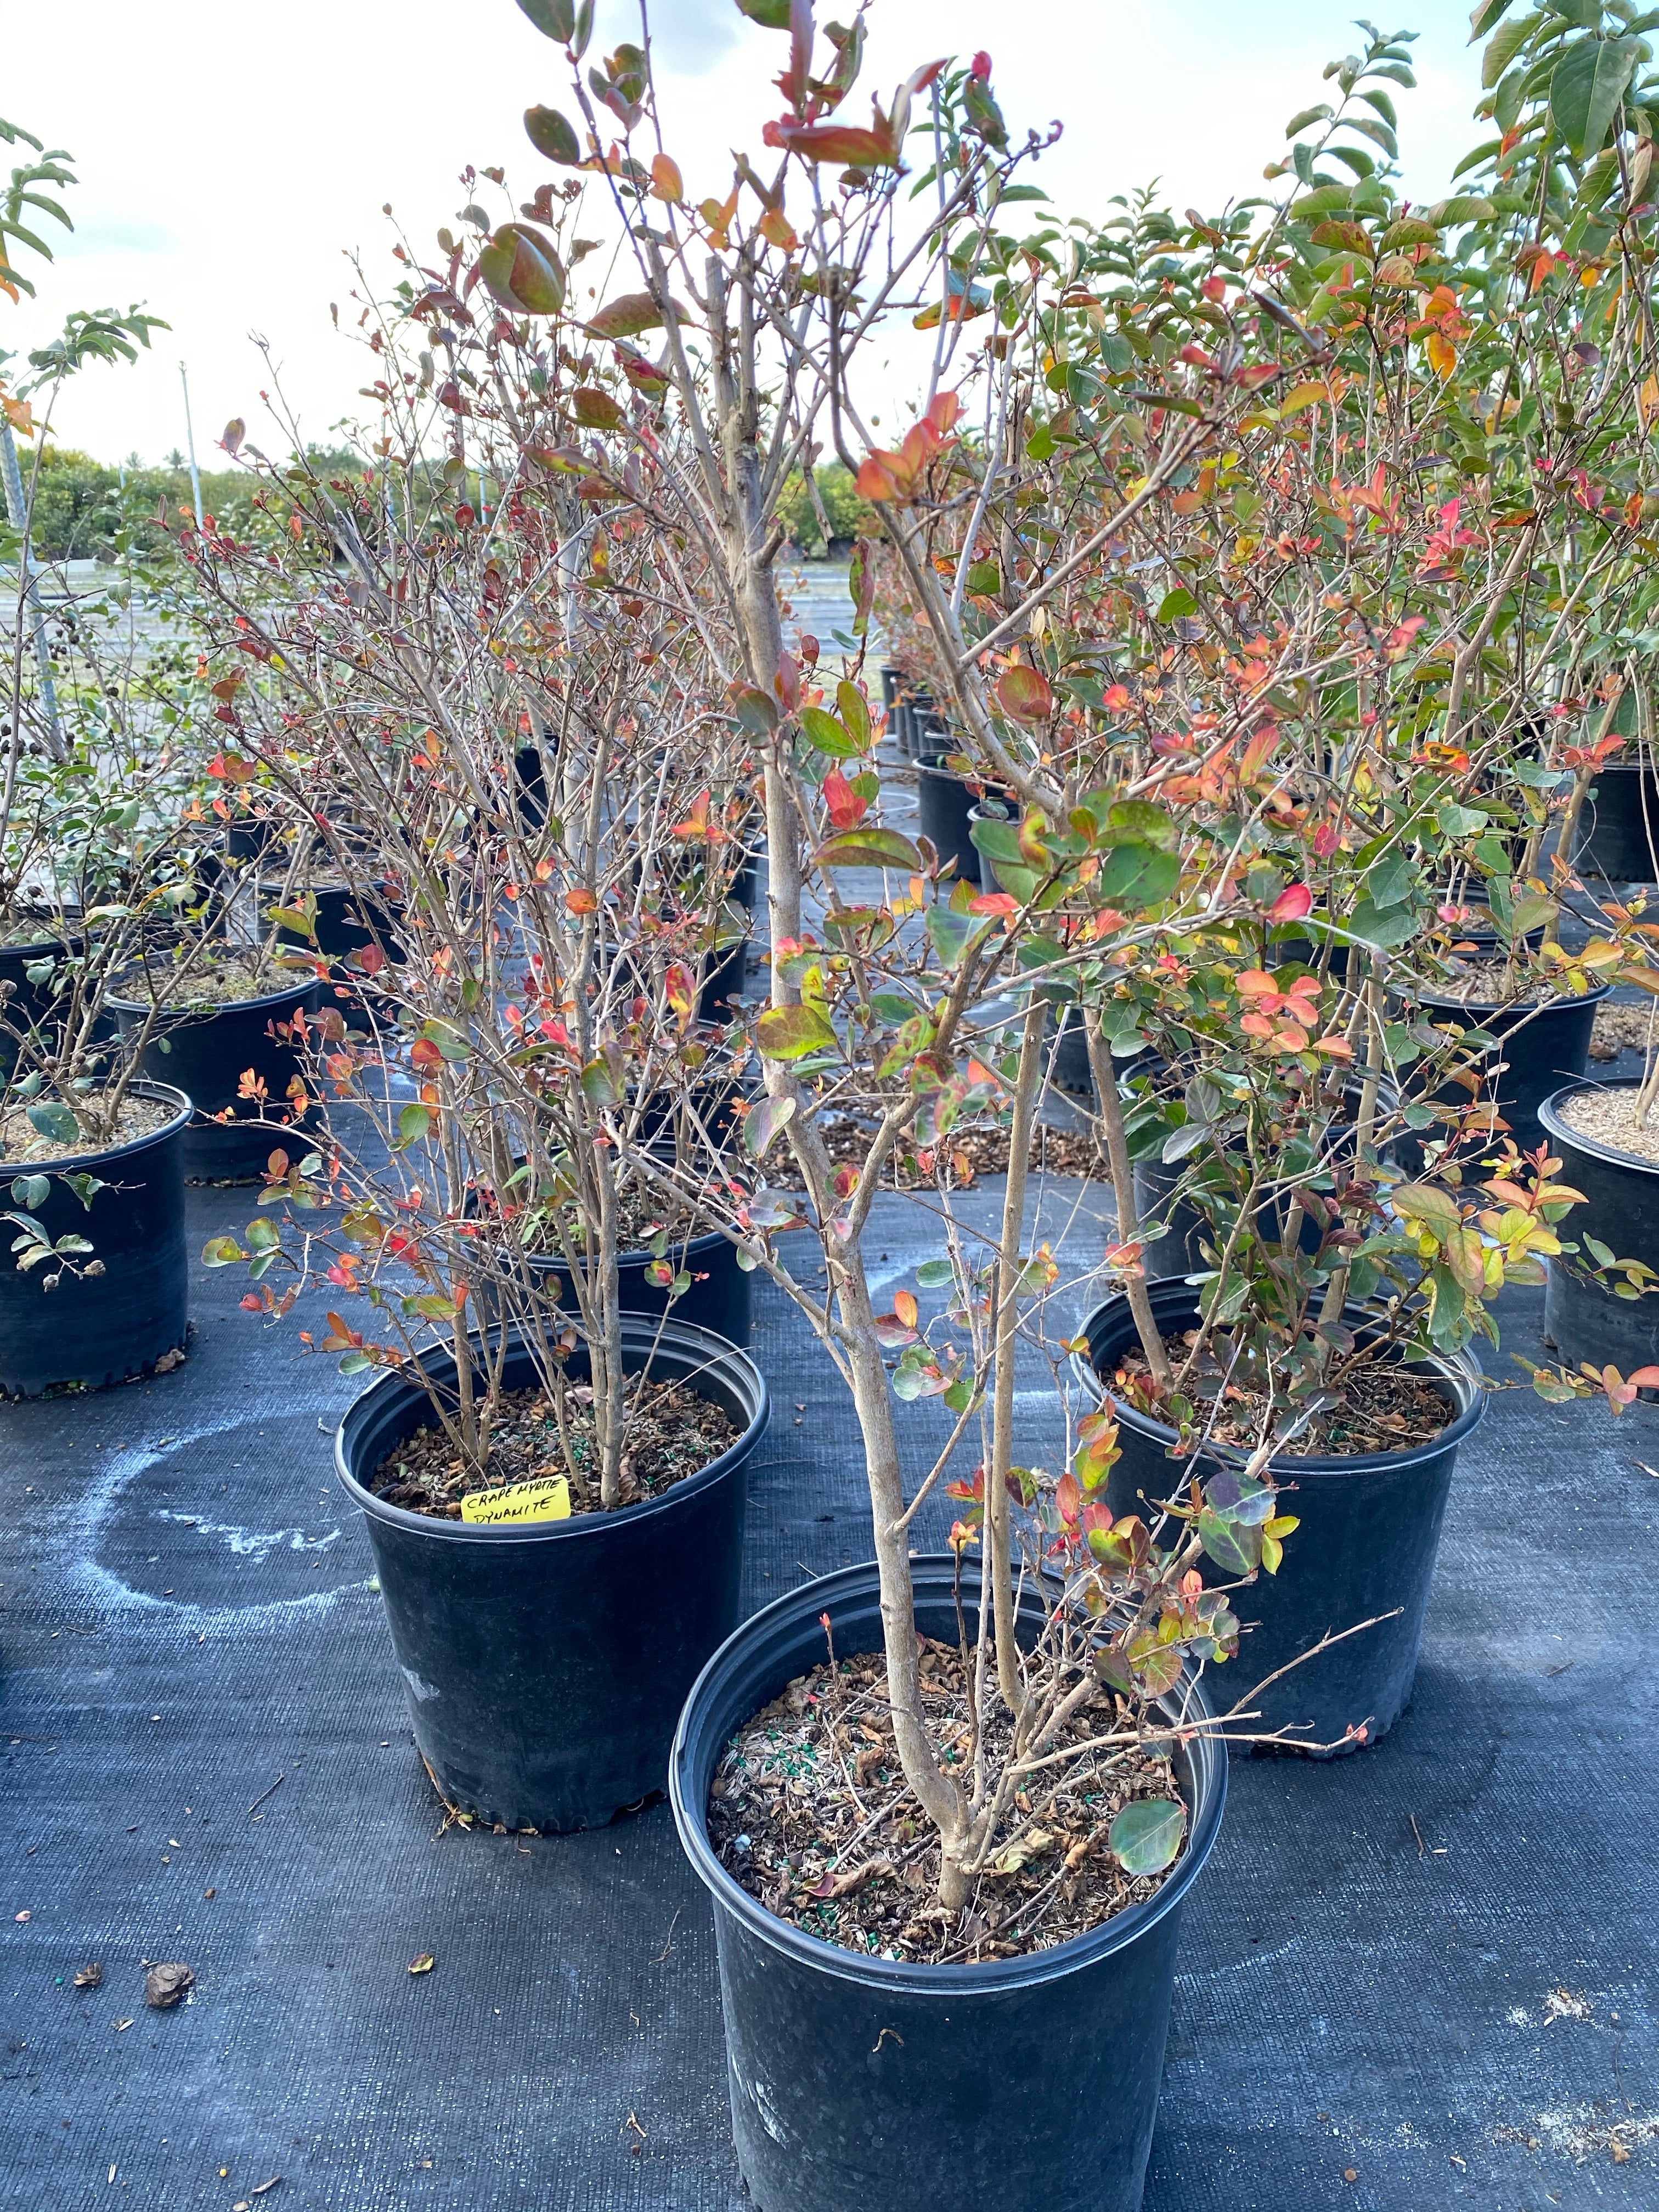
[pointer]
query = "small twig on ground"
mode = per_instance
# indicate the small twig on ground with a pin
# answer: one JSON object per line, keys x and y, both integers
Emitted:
{"x": 254, "y": 1807}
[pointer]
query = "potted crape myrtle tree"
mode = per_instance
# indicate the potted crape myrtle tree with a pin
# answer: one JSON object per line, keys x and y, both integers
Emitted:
{"x": 90, "y": 854}
{"x": 1344, "y": 677}
{"x": 920, "y": 1695}
{"x": 552, "y": 1427}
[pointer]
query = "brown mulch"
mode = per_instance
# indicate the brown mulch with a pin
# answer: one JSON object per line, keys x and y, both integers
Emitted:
{"x": 1383, "y": 1407}
{"x": 671, "y": 1433}
{"x": 209, "y": 983}
{"x": 811, "y": 1813}
{"x": 965, "y": 1154}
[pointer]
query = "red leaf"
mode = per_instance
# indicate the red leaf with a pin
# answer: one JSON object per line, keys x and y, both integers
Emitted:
{"x": 1291, "y": 904}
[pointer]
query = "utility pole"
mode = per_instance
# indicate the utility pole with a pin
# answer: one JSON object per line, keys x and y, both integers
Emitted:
{"x": 190, "y": 446}
{"x": 18, "y": 510}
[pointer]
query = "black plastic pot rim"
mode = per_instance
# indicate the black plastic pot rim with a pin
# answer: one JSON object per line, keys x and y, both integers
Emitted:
{"x": 40, "y": 946}
{"x": 652, "y": 1327}
{"x": 995, "y": 1975}
{"x": 702, "y": 1246}
{"x": 1529, "y": 1008}
{"x": 162, "y": 1091}
{"x": 1550, "y": 1117}
{"x": 298, "y": 989}
{"x": 1455, "y": 1367}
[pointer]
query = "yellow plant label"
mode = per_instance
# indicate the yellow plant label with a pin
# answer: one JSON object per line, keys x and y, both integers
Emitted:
{"x": 546, "y": 1499}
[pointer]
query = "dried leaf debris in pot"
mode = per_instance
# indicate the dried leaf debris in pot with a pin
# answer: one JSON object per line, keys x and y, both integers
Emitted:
{"x": 810, "y": 1811}
{"x": 672, "y": 1432}
{"x": 1380, "y": 1407}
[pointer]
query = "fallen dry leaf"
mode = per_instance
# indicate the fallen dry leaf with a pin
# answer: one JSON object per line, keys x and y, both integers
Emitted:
{"x": 120, "y": 2024}
{"x": 165, "y": 1985}
{"x": 423, "y": 1964}
{"x": 22, "y": 1916}
{"x": 89, "y": 1978}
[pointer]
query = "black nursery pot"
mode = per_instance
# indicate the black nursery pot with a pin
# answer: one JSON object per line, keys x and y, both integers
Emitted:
{"x": 945, "y": 806}
{"x": 109, "y": 1327}
{"x": 866, "y": 2085}
{"x": 720, "y": 1296}
{"x": 1619, "y": 831}
{"x": 342, "y": 921}
{"x": 1543, "y": 1046}
{"x": 1369, "y": 1530}
{"x": 1621, "y": 1210}
{"x": 26, "y": 1006}
{"x": 207, "y": 1054}
{"x": 544, "y": 1664}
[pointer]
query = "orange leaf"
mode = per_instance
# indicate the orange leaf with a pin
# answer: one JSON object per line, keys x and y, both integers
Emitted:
{"x": 904, "y": 1305}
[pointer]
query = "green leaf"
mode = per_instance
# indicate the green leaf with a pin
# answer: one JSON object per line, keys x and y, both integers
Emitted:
{"x": 935, "y": 1274}
{"x": 520, "y": 269}
{"x": 1177, "y": 604}
{"x": 1139, "y": 819}
{"x": 1145, "y": 1836}
{"x": 868, "y": 848}
{"x": 1437, "y": 1209}
{"x": 1236, "y": 1550}
{"x": 598, "y": 1087}
{"x": 264, "y": 1235}
{"x": 854, "y": 711}
{"x": 30, "y": 1192}
{"x": 554, "y": 19}
{"x": 1484, "y": 15}
{"x": 293, "y": 918}
{"x": 825, "y": 734}
{"x": 222, "y": 1252}
{"x": 1585, "y": 90}
{"x": 1135, "y": 876}
{"x": 413, "y": 1123}
{"x": 1320, "y": 114}
{"x": 1501, "y": 50}
{"x": 626, "y": 318}
{"x": 354, "y": 1363}
{"x": 552, "y": 137}
{"x": 758, "y": 716}
{"x": 791, "y": 1032}
{"x": 54, "y": 1122}
{"x": 1385, "y": 928}
{"x": 953, "y": 936}
{"x": 770, "y": 15}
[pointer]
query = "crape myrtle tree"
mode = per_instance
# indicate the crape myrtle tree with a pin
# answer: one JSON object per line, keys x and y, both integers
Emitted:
{"x": 758, "y": 304}
{"x": 488, "y": 717}
{"x": 1348, "y": 654}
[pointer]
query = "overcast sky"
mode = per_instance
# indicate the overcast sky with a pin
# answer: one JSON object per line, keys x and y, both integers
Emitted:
{"x": 228, "y": 156}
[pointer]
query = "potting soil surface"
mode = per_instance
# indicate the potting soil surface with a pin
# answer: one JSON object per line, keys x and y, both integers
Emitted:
{"x": 1417, "y": 1977}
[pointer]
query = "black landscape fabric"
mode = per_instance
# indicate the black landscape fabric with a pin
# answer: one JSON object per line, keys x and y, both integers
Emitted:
{"x": 1420, "y": 1977}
